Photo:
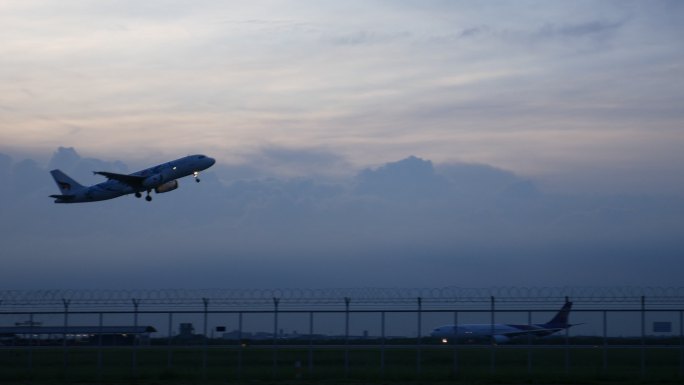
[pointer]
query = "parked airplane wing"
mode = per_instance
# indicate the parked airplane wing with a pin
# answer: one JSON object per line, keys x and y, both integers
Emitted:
{"x": 539, "y": 332}
{"x": 131, "y": 180}
{"x": 535, "y": 332}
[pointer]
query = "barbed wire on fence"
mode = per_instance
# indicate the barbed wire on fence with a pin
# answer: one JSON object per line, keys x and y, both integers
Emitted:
{"x": 443, "y": 297}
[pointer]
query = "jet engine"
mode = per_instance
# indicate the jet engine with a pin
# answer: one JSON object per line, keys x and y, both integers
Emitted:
{"x": 499, "y": 339}
{"x": 153, "y": 181}
{"x": 166, "y": 187}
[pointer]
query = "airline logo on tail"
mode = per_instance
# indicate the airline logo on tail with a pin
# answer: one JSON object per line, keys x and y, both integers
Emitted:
{"x": 64, "y": 186}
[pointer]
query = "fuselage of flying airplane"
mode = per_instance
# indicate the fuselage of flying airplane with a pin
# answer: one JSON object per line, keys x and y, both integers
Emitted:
{"x": 161, "y": 178}
{"x": 504, "y": 332}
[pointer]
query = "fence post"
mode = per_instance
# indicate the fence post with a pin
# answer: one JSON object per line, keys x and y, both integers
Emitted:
{"x": 529, "y": 343}
{"x": 99, "y": 347}
{"x": 492, "y": 359}
{"x": 681, "y": 343}
{"x": 241, "y": 346}
{"x": 455, "y": 344}
{"x": 605, "y": 341}
{"x": 276, "y": 301}
{"x": 567, "y": 345}
{"x": 134, "y": 361}
{"x": 382, "y": 344}
{"x": 30, "y": 352}
{"x": 418, "y": 337}
{"x": 346, "y": 336}
{"x": 169, "y": 352}
{"x": 205, "y": 301}
{"x": 65, "y": 352}
{"x": 311, "y": 337}
{"x": 643, "y": 336}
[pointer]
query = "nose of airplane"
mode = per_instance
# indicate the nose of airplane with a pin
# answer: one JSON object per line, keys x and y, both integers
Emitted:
{"x": 210, "y": 161}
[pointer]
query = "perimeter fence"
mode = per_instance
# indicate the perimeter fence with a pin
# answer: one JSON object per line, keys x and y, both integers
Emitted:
{"x": 618, "y": 333}
{"x": 443, "y": 297}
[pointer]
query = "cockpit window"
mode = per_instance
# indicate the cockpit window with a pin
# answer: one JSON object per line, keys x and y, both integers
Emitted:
{"x": 201, "y": 157}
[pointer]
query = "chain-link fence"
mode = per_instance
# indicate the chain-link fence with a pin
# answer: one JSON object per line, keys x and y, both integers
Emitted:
{"x": 366, "y": 334}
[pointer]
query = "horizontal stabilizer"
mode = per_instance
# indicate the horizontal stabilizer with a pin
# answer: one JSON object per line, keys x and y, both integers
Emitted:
{"x": 63, "y": 198}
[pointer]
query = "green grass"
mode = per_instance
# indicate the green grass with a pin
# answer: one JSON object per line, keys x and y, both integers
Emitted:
{"x": 472, "y": 365}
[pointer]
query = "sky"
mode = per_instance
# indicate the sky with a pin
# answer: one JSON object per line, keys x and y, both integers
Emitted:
{"x": 358, "y": 143}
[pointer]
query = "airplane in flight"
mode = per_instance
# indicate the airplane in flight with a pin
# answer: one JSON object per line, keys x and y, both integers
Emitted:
{"x": 501, "y": 333}
{"x": 161, "y": 178}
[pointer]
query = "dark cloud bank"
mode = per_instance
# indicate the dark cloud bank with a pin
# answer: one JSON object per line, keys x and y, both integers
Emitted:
{"x": 409, "y": 223}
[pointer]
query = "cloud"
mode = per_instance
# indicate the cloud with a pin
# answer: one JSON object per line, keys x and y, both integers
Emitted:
{"x": 463, "y": 223}
{"x": 595, "y": 29}
{"x": 411, "y": 178}
{"x": 296, "y": 161}
{"x": 365, "y": 37}
{"x": 5, "y": 163}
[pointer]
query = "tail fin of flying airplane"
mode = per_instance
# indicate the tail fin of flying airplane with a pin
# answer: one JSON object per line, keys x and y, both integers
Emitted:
{"x": 561, "y": 318}
{"x": 66, "y": 185}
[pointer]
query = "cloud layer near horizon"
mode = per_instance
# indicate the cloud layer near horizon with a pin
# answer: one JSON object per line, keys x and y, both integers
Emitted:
{"x": 408, "y": 223}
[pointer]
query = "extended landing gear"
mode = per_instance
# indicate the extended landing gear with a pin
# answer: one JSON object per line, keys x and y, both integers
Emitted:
{"x": 147, "y": 198}
{"x": 195, "y": 175}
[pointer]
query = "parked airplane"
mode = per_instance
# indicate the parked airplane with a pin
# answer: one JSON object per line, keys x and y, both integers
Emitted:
{"x": 162, "y": 178}
{"x": 501, "y": 333}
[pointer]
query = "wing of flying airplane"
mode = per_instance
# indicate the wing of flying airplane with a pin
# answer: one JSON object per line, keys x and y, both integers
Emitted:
{"x": 131, "y": 180}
